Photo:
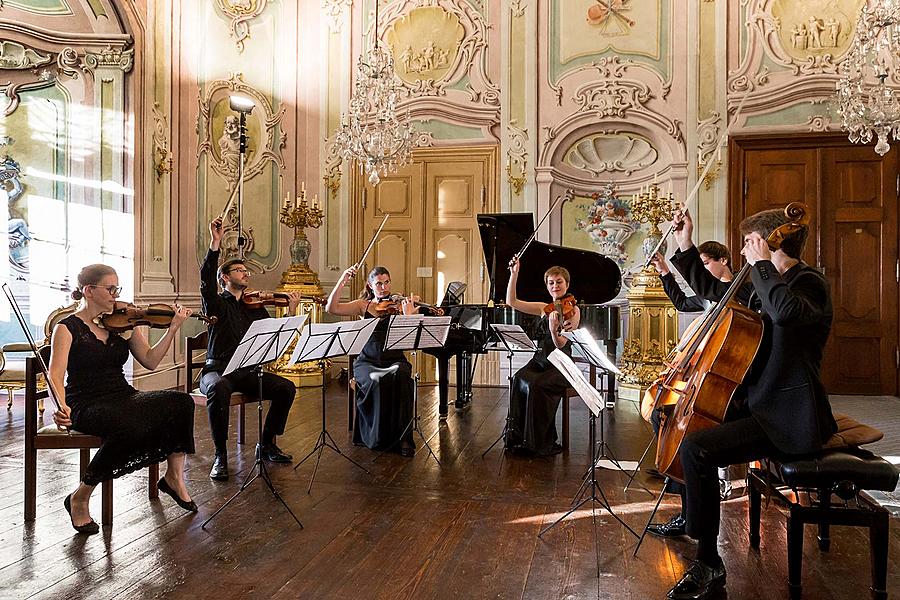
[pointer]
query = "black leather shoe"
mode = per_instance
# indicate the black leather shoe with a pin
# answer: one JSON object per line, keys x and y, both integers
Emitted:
{"x": 188, "y": 505}
{"x": 407, "y": 451}
{"x": 88, "y": 528}
{"x": 219, "y": 470}
{"x": 699, "y": 581}
{"x": 273, "y": 453}
{"x": 674, "y": 527}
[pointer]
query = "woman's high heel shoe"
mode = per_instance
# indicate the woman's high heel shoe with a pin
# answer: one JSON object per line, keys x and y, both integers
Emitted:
{"x": 188, "y": 505}
{"x": 88, "y": 528}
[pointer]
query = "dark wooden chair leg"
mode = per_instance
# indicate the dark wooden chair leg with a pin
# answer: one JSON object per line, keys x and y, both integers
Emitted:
{"x": 154, "y": 481}
{"x": 83, "y": 459}
{"x": 240, "y": 424}
{"x": 565, "y": 423}
{"x": 824, "y": 529}
{"x": 878, "y": 554}
{"x": 30, "y": 484}
{"x": 795, "y": 552}
{"x": 106, "y": 492}
{"x": 755, "y": 509}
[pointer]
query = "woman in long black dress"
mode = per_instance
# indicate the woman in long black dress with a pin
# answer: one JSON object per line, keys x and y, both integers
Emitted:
{"x": 384, "y": 401}
{"x": 538, "y": 386}
{"x": 138, "y": 428}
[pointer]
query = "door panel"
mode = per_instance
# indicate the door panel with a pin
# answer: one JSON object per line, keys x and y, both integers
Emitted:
{"x": 852, "y": 195}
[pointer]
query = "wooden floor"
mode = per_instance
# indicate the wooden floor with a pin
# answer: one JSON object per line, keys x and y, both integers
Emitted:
{"x": 411, "y": 529}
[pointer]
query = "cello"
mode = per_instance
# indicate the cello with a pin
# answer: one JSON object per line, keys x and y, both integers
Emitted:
{"x": 702, "y": 377}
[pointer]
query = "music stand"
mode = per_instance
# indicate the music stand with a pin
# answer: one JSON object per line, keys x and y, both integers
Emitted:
{"x": 584, "y": 345}
{"x": 596, "y": 405}
{"x": 411, "y": 332}
{"x": 265, "y": 341}
{"x": 512, "y": 339}
{"x": 319, "y": 342}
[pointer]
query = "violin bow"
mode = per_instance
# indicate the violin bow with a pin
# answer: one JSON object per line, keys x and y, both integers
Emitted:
{"x": 518, "y": 255}
{"x": 371, "y": 242}
{"x": 693, "y": 193}
{"x": 7, "y": 291}
{"x": 228, "y": 203}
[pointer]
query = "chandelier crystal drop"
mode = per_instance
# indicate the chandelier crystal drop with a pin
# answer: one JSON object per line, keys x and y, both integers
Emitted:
{"x": 866, "y": 99}
{"x": 371, "y": 132}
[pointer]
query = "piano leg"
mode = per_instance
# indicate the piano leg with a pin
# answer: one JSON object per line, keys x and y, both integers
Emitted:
{"x": 611, "y": 346}
{"x": 463, "y": 379}
{"x": 443, "y": 363}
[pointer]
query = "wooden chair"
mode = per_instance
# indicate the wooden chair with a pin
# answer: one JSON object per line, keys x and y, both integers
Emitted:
{"x": 49, "y": 437}
{"x": 191, "y": 363}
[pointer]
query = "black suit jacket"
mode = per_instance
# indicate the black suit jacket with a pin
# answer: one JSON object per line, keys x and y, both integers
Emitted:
{"x": 682, "y": 302}
{"x": 783, "y": 388}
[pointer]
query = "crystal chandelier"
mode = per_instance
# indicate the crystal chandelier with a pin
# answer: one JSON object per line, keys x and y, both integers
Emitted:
{"x": 868, "y": 105}
{"x": 371, "y": 132}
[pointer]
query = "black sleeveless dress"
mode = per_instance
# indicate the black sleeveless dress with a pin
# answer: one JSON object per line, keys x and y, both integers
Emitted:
{"x": 537, "y": 389}
{"x": 383, "y": 408}
{"x": 138, "y": 428}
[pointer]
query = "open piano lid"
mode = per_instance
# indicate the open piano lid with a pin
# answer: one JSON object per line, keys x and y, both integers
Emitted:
{"x": 596, "y": 279}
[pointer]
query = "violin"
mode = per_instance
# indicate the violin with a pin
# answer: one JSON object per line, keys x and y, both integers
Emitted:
{"x": 564, "y": 307}
{"x": 126, "y": 316}
{"x": 393, "y": 305}
{"x": 257, "y": 299}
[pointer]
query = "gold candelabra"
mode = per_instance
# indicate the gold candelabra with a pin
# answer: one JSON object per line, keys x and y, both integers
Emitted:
{"x": 649, "y": 206}
{"x": 299, "y": 215}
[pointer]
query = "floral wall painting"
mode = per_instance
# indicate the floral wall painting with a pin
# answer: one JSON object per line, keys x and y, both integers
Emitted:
{"x": 609, "y": 223}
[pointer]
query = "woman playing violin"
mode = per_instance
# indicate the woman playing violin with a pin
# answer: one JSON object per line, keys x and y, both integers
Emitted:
{"x": 384, "y": 401}
{"x": 538, "y": 386}
{"x": 138, "y": 428}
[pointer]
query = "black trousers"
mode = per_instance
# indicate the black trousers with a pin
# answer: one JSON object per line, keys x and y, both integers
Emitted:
{"x": 218, "y": 390}
{"x": 702, "y": 453}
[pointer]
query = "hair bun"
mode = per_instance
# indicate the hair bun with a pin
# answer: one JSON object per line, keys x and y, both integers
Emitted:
{"x": 77, "y": 294}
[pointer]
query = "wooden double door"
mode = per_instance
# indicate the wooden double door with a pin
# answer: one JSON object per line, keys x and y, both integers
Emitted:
{"x": 853, "y": 195}
{"x": 431, "y": 237}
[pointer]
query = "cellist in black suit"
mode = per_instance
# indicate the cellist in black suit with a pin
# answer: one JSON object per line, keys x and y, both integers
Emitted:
{"x": 781, "y": 408}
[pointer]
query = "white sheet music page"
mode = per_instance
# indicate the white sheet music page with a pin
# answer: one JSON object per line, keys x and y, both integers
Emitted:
{"x": 325, "y": 340}
{"x": 514, "y": 336}
{"x": 265, "y": 341}
{"x": 404, "y": 329}
{"x": 575, "y": 377}
{"x": 587, "y": 345}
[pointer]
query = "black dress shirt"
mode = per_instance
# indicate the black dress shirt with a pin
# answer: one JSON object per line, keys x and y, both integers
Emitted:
{"x": 234, "y": 317}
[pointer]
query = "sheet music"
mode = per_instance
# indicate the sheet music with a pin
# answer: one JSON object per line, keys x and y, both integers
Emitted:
{"x": 318, "y": 340}
{"x": 513, "y": 337}
{"x": 586, "y": 346}
{"x": 258, "y": 346}
{"x": 575, "y": 377}
{"x": 404, "y": 329}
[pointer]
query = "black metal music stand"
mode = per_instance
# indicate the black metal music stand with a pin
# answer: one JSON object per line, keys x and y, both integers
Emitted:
{"x": 412, "y": 332}
{"x": 265, "y": 341}
{"x": 596, "y": 405}
{"x": 512, "y": 339}
{"x": 321, "y": 341}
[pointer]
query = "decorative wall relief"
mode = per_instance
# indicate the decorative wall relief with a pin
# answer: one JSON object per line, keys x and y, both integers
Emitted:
{"x": 609, "y": 223}
{"x": 516, "y": 157}
{"x": 439, "y": 49}
{"x": 164, "y": 160}
{"x": 217, "y": 127}
{"x": 17, "y": 56}
{"x": 603, "y": 153}
{"x": 336, "y": 11}
{"x": 708, "y": 134}
{"x": 17, "y": 224}
{"x": 610, "y": 17}
{"x": 241, "y": 12}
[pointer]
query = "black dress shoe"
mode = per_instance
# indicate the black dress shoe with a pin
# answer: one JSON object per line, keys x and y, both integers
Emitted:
{"x": 273, "y": 453}
{"x": 219, "y": 470}
{"x": 407, "y": 450}
{"x": 674, "y": 527}
{"x": 88, "y": 528}
{"x": 699, "y": 581}
{"x": 188, "y": 505}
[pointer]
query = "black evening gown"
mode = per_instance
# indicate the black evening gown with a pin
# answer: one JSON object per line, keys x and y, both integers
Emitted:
{"x": 537, "y": 389}
{"x": 383, "y": 408}
{"x": 138, "y": 428}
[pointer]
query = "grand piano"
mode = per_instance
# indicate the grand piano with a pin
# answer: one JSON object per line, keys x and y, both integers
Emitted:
{"x": 596, "y": 280}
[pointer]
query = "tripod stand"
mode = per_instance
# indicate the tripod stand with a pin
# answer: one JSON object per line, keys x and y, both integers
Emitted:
{"x": 325, "y": 441}
{"x": 264, "y": 341}
{"x": 412, "y": 332}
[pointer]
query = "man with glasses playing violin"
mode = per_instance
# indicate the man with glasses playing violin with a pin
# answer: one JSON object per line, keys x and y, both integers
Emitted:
{"x": 234, "y": 319}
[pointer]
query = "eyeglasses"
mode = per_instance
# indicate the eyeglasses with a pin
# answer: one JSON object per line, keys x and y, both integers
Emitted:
{"x": 242, "y": 271}
{"x": 113, "y": 290}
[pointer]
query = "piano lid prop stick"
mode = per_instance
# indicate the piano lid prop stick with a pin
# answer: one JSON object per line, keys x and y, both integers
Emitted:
{"x": 518, "y": 255}
{"x": 696, "y": 188}
{"x": 371, "y": 243}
